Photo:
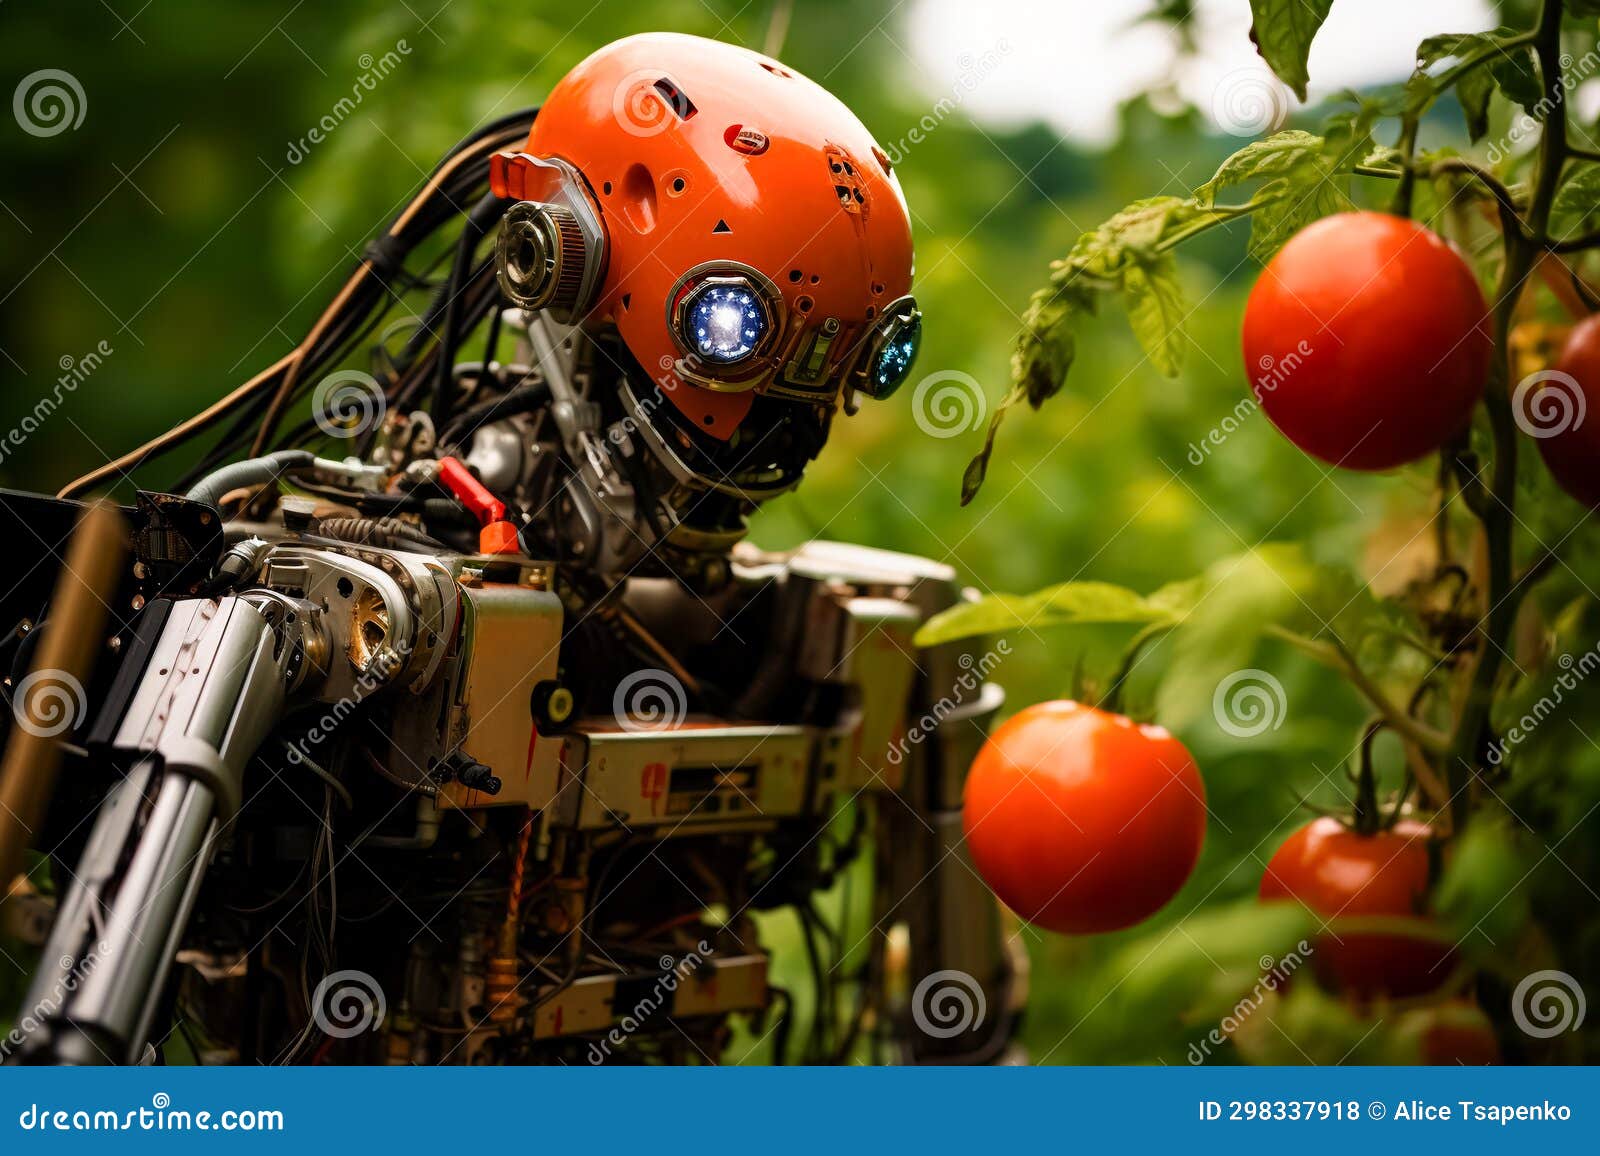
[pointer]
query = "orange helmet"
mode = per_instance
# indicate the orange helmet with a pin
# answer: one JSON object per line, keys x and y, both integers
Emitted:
{"x": 734, "y": 222}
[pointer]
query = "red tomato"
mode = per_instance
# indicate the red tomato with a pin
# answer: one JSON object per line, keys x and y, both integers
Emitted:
{"x": 1561, "y": 413}
{"x": 1367, "y": 341}
{"x": 1346, "y": 877}
{"x": 1083, "y": 821}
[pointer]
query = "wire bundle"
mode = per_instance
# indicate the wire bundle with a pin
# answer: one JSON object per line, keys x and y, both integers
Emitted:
{"x": 459, "y": 303}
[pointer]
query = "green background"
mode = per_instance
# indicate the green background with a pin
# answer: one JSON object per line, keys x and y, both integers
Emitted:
{"x": 171, "y": 225}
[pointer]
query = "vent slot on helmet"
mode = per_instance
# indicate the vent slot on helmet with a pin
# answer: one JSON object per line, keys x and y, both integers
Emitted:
{"x": 846, "y": 181}
{"x": 675, "y": 98}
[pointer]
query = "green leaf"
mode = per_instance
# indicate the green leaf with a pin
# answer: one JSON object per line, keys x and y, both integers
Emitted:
{"x": 1068, "y": 604}
{"x": 1046, "y": 347}
{"x": 978, "y": 468}
{"x": 1279, "y": 154}
{"x": 1157, "y": 310}
{"x": 1578, "y": 202}
{"x": 1482, "y": 895}
{"x": 1473, "y": 90}
{"x": 1243, "y": 595}
{"x": 1517, "y": 73}
{"x": 1283, "y": 31}
{"x": 1198, "y": 970}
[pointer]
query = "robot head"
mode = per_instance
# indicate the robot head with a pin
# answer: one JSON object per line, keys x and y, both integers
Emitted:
{"x": 739, "y": 231}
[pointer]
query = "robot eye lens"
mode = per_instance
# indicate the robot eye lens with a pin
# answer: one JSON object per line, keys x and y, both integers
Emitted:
{"x": 893, "y": 364}
{"x": 725, "y": 323}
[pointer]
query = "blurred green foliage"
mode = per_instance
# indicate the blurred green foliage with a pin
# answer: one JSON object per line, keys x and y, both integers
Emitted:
{"x": 172, "y": 225}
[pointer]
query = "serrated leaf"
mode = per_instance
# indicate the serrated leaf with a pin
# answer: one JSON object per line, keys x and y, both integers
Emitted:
{"x": 1068, "y": 604}
{"x": 1157, "y": 310}
{"x": 1275, "y": 223}
{"x": 1283, "y": 31}
{"x": 1281, "y": 153}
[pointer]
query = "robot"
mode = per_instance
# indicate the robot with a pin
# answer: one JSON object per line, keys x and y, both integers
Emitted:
{"x": 482, "y": 736}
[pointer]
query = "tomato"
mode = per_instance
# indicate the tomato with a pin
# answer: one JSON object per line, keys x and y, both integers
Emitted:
{"x": 1561, "y": 413}
{"x": 1367, "y": 341}
{"x": 1349, "y": 879}
{"x": 1081, "y": 820}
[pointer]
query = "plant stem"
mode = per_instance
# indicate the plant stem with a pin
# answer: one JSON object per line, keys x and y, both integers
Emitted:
{"x": 1497, "y": 514}
{"x": 1338, "y": 656}
{"x": 1112, "y": 699}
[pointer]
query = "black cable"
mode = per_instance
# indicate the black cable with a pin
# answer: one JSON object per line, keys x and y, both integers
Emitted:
{"x": 528, "y": 396}
{"x": 486, "y": 213}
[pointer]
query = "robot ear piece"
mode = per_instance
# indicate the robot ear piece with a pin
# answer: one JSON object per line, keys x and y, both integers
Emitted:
{"x": 551, "y": 250}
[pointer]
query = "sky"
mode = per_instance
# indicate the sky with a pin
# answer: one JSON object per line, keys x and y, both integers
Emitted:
{"x": 1070, "y": 62}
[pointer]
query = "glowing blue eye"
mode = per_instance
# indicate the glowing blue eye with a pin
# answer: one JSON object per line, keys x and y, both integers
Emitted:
{"x": 725, "y": 323}
{"x": 895, "y": 359}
